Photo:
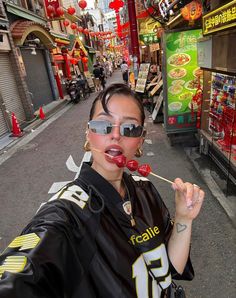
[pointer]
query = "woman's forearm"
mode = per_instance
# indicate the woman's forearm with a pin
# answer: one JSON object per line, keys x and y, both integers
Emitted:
{"x": 179, "y": 243}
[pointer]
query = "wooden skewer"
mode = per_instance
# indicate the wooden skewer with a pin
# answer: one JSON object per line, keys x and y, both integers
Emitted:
{"x": 162, "y": 178}
{"x": 151, "y": 173}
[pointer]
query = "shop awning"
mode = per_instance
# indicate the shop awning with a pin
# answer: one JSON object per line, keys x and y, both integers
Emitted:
{"x": 90, "y": 50}
{"x": 60, "y": 39}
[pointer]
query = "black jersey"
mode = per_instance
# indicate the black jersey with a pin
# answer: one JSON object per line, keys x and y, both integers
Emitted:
{"x": 82, "y": 244}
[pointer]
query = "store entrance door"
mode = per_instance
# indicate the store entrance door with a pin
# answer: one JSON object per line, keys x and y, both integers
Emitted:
{"x": 37, "y": 77}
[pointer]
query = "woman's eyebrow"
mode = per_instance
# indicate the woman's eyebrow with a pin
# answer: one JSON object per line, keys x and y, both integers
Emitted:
{"x": 124, "y": 118}
{"x": 103, "y": 114}
{"x": 130, "y": 118}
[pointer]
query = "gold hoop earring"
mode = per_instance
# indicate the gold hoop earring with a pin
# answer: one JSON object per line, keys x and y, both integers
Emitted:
{"x": 138, "y": 153}
{"x": 87, "y": 146}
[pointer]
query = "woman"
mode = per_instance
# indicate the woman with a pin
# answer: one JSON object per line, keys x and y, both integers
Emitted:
{"x": 107, "y": 234}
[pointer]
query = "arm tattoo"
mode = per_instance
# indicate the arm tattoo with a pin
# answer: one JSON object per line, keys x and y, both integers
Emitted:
{"x": 180, "y": 228}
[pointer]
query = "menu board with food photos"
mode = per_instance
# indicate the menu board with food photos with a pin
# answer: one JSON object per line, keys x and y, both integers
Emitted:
{"x": 182, "y": 77}
{"x": 142, "y": 77}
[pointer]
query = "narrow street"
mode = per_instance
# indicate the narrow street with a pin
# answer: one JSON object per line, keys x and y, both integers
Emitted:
{"x": 28, "y": 175}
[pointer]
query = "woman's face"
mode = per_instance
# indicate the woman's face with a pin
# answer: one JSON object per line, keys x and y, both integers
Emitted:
{"x": 122, "y": 109}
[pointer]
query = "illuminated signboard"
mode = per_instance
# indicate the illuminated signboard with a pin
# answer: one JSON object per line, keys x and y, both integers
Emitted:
{"x": 220, "y": 19}
{"x": 169, "y": 7}
{"x": 164, "y": 8}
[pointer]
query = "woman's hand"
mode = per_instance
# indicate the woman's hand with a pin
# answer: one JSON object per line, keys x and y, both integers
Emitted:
{"x": 188, "y": 199}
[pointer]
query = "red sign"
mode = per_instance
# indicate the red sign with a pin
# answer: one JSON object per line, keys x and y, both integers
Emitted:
{"x": 51, "y": 7}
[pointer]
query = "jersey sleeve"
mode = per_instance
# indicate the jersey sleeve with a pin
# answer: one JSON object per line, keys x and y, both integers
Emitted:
{"x": 188, "y": 272}
{"x": 37, "y": 263}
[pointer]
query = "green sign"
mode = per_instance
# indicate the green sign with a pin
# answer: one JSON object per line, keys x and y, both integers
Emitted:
{"x": 182, "y": 79}
{"x": 149, "y": 38}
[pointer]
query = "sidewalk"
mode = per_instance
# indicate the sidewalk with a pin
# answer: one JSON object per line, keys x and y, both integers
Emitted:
{"x": 6, "y": 141}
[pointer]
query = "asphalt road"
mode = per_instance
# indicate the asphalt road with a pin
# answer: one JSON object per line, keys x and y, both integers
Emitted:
{"x": 32, "y": 171}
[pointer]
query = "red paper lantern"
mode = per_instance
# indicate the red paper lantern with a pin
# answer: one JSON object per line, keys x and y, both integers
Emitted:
{"x": 82, "y": 4}
{"x": 73, "y": 61}
{"x": 80, "y": 29}
{"x": 60, "y": 11}
{"x": 192, "y": 11}
{"x": 86, "y": 31}
{"x": 116, "y": 5}
{"x": 92, "y": 34}
{"x": 85, "y": 59}
{"x": 73, "y": 26}
{"x": 71, "y": 10}
{"x": 66, "y": 23}
{"x": 50, "y": 10}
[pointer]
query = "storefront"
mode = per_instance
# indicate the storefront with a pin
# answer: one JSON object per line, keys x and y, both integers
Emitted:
{"x": 60, "y": 62}
{"x": 91, "y": 57}
{"x": 34, "y": 43}
{"x": 10, "y": 100}
{"x": 218, "y": 117}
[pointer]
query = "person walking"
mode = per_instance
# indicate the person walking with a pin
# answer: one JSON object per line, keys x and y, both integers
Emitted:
{"x": 102, "y": 76}
{"x": 97, "y": 75}
{"x": 108, "y": 233}
{"x": 125, "y": 73}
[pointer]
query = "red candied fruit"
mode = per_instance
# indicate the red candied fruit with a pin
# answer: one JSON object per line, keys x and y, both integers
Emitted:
{"x": 120, "y": 160}
{"x": 132, "y": 165}
{"x": 144, "y": 170}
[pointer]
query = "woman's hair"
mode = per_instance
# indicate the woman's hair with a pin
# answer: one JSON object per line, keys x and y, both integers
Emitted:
{"x": 116, "y": 89}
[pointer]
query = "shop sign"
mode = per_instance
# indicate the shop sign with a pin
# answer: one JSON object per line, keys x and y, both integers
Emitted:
{"x": 220, "y": 19}
{"x": 181, "y": 80}
{"x": 142, "y": 77}
{"x": 149, "y": 38}
{"x": 148, "y": 31}
{"x": 154, "y": 47}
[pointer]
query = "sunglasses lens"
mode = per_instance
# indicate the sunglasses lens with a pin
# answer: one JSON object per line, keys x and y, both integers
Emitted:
{"x": 131, "y": 130}
{"x": 105, "y": 127}
{"x": 100, "y": 127}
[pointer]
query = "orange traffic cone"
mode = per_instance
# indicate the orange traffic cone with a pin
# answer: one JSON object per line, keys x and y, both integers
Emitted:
{"x": 16, "y": 131}
{"x": 41, "y": 113}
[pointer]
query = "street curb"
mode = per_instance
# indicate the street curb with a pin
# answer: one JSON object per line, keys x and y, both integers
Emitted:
{"x": 35, "y": 128}
{"x": 212, "y": 185}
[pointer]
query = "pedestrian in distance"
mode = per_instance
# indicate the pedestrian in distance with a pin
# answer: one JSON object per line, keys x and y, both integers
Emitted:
{"x": 108, "y": 233}
{"x": 97, "y": 74}
{"x": 102, "y": 76}
{"x": 125, "y": 71}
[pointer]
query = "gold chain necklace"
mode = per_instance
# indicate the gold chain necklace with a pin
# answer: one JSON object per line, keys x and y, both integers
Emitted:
{"x": 127, "y": 205}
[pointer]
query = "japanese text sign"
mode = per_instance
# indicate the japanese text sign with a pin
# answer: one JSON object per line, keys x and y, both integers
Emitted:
{"x": 220, "y": 19}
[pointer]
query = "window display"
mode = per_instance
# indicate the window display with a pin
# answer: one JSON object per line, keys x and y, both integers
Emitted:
{"x": 222, "y": 114}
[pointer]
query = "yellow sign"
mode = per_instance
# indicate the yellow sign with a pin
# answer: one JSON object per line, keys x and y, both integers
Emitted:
{"x": 220, "y": 19}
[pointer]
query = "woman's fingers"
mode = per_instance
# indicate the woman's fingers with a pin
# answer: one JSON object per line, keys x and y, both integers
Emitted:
{"x": 191, "y": 192}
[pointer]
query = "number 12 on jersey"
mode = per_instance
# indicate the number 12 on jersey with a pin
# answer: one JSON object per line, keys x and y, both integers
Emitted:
{"x": 141, "y": 273}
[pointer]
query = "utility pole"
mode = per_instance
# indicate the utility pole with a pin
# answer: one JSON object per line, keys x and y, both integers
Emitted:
{"x": 133, "y": 32}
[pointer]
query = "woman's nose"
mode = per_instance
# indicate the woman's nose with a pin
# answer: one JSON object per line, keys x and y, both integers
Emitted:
{"x": 116, "y": 132}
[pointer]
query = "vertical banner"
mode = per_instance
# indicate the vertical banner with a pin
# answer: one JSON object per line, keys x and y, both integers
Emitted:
{"x": 181, "y": 80}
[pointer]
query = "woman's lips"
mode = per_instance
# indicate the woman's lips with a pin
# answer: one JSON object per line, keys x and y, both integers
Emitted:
{"x": 111, "y": 152}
